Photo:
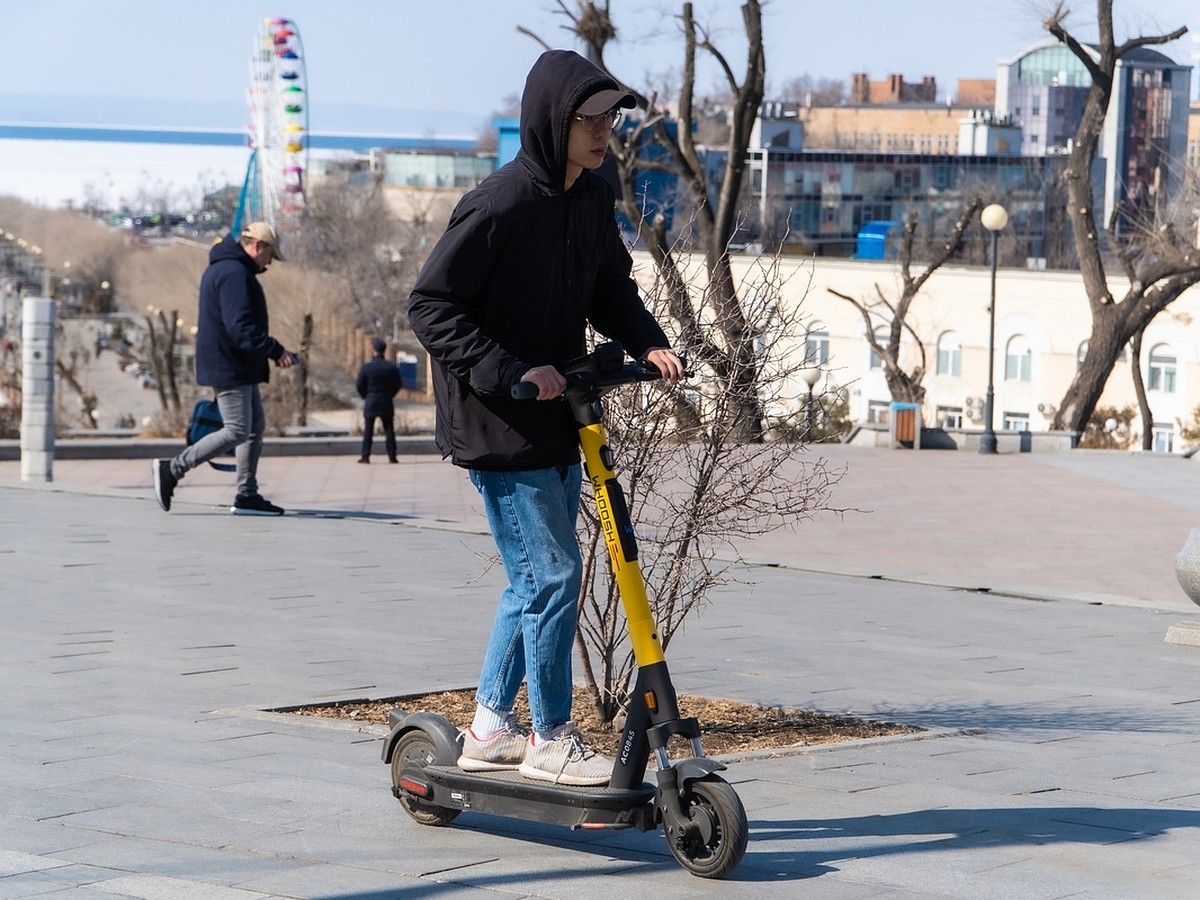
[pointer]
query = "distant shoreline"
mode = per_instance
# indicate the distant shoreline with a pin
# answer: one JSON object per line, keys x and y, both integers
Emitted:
{"x": 216, "y": 137}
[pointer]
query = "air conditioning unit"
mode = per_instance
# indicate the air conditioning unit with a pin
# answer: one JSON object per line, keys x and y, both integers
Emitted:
{"x": 970, "y": 402}
{"x": 972, "y": 414}
{"x": 1046, "y": 409}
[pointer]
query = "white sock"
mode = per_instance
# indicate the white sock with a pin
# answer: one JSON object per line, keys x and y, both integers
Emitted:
{"x": 553, "y": 734}
{"x": 486, "y": 723}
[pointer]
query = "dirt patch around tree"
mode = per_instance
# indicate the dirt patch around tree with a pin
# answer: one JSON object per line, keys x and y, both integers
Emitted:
{"x": 727, "y": 727}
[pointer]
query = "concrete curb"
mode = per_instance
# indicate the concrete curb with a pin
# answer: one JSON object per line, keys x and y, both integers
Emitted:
{"x": 153, "y": 448}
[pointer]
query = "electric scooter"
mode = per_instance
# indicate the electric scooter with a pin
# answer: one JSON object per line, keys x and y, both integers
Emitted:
{"x": 702, "y": 817}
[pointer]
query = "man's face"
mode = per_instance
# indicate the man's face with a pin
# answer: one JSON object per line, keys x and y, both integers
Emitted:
{"x": 588, "y": 141}
{"x": 262, "y": 253}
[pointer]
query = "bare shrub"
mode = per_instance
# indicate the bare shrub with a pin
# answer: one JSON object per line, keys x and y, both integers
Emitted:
{"x": 694, "y": 485}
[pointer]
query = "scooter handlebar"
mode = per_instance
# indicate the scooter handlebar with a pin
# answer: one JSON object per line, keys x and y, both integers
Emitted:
{"x": 527, "y": 390}
{"x": 524, "y": 390}
{"x": 641, "y": 370}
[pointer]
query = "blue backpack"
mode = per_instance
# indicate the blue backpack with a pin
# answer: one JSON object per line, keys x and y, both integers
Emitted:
{"x": 206, "y": 418}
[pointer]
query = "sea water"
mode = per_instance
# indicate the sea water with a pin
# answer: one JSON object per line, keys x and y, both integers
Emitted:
{"x": 54, "y": 166}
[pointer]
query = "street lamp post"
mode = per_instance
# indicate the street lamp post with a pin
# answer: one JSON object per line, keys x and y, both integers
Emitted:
{"x": 994, "y": 217}
{"x": 810, "y": 376}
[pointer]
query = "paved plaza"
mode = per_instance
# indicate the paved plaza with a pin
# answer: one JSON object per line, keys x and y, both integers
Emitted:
{"x": 1015, "y": 607}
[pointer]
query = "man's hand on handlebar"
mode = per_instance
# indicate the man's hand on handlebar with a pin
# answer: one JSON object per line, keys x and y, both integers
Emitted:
{"x": 549, "y": 381}
{"x": 667, "y": 362}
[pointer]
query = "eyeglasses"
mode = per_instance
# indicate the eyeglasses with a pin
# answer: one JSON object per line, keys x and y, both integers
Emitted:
{"x": 605, "y": 121}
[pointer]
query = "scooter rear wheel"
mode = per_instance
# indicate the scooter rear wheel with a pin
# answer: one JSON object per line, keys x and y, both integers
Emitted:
{"x": 417, "y": 749}
{"x": 717, "y": 842}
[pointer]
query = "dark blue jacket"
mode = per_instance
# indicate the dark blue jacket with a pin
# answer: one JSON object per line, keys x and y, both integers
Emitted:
{"x": 378, "y": 382}
{"x": 523, "y": 267}
{"x": 233, "y": 343}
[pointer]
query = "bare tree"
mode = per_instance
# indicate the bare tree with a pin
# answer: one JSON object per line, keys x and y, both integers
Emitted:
{"x": 67, "y": 364}
{"x": 486, "y": 139}
{"x": 347, "y": 231}
{"x": 1159, "y": 263}
{"x": 905, "y": 385}
{"x": 729, "y": 348}
{"x": 807, "y": 90}
{"x": 162, "y": 330}
{"x": 694, "y": 495}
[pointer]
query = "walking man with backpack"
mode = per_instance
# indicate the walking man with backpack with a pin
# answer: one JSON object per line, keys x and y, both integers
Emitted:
{"x": 233, "y": 350}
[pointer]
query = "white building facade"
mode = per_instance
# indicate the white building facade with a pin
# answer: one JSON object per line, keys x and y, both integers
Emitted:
{"x": 1042, "y": 326}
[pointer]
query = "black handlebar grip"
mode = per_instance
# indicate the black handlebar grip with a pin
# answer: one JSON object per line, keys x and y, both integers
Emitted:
{"x": 525, "y": 390}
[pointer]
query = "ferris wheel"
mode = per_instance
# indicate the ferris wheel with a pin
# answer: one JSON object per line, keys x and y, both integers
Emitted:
{"x": 273, "y": 191}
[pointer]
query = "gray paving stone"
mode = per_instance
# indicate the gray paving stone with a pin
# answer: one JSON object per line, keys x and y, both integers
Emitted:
{"x": 140, "y": 649}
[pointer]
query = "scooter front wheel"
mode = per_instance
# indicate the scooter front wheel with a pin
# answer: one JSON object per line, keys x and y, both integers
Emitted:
{"x": 417, "y": 749}
{"x": 711, "y": 841}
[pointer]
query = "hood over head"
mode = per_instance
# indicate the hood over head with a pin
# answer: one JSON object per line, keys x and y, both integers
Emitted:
{"x": 560, "y": 83}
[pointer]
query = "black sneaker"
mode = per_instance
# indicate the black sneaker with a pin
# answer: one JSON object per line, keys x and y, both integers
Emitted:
{"x": 164, "y": 483}
{"x": 254, "y": 505}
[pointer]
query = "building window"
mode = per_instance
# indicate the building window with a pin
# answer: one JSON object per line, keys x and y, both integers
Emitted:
{"x": 1164, "y": 437}
{"x": 816, "y": 344}
{"x": 1162, "y": 369}
{"x": 1016, "y": 421}
{"x": 950, "y": 416}
{"x": 882, "y": 336}
{"x": 1018, "y": 361}
{"x": 879, "y": 412}
{"x": 949, "y": 355}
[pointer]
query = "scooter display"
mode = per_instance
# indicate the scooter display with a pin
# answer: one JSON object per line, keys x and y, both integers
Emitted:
{"x": 702, "y": 817}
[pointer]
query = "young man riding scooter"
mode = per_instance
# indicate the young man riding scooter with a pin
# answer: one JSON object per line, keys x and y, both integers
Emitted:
{"x": 528, "y": 260}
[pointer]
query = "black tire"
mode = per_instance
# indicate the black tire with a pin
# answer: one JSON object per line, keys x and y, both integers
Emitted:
{"x": 416, "y": 748}
{"x": 718, "y": 842}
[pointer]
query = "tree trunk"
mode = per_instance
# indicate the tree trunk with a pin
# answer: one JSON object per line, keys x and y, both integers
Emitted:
{"x": 1160, "y": 272}
{"x": 1139, "y": 388}
{"x": 305, "y": 347}
{"x": 730, "y": 351}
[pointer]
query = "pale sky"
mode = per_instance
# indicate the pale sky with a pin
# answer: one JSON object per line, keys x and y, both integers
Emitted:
{"x": 466, "y": 56}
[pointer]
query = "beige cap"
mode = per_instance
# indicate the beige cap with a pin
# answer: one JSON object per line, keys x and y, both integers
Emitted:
{"x": 261, "y": 231}
{"x": 602, "y": 101}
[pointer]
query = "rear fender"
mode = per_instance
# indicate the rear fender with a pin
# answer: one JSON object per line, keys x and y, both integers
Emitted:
{"x": 443, "y": 733}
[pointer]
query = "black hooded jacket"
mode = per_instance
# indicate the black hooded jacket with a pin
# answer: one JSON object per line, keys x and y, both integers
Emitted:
{"x": 522, "y": 267}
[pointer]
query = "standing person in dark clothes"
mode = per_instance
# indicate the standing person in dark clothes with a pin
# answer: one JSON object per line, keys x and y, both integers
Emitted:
{"x": 529, "y": 259}
{"x": 233, "y": 351}
{"x": 378, "y": 384}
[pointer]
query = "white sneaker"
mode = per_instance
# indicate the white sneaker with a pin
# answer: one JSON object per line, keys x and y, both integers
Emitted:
{"x": 503, "y": 750}
{"x": 565, "y": 759}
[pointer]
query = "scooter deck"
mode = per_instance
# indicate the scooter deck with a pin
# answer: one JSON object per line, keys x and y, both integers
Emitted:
{"x": 508, "y": 793}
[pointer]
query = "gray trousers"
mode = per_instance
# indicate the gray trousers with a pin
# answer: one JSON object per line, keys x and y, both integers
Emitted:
{"x": 242, "y": 411}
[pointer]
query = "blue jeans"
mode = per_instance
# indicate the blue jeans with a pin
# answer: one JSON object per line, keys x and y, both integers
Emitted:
{"x": 532, "y": 517}
{"x": 242, "y": 412}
